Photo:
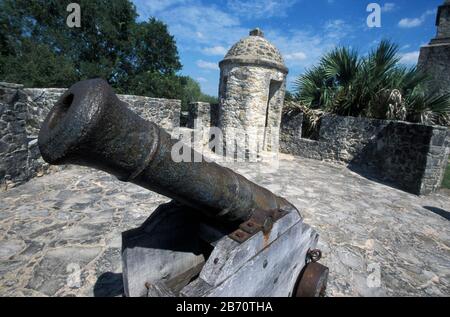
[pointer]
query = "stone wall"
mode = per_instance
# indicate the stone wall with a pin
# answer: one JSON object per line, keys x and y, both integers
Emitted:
{"x": 22, "y": 112}
{"x": 291, "y": 131}
{"x": 409, "y": 156}
{"x": 164, "y": 112}
{"x": 20, "y": 159}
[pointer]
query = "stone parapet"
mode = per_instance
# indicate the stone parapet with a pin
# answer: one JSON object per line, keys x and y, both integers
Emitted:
{"x": 164, "y": 112}
{"x": 412, "y": 157}
{"x": 22, "y": 112}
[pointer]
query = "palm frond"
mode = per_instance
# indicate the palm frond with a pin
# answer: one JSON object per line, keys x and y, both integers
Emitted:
{"x": 375, "y": 86}
{"x": 341, "y": 65}
{"x": 309, "y": 87}
{"x": 428, "y": 108}
{"x": 384, "y": 58}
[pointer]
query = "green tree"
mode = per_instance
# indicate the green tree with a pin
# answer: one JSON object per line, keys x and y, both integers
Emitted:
{"x": 191, "y": 92}
{"x": 154, "y": 57}
{"x": 375, "y": 86}
{"x": 38, "y": 49}
{"x": 96, "y": 49}
{"x": 208, "y": 98}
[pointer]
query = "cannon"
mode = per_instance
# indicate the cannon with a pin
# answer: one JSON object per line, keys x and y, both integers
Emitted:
{"x": 222, "y": 235}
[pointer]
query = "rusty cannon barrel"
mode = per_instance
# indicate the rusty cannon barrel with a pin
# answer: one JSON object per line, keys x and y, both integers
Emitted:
{"x": 90, "y": 126}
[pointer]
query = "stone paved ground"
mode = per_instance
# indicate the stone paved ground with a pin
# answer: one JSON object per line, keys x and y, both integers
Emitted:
{"x": 60, "y": 234}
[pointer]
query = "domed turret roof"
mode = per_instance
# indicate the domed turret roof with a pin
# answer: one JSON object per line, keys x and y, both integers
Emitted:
{"x": 255, "y": 49}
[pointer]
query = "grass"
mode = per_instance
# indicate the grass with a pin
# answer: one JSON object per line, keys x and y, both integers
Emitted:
{"x": 446, "y": 182}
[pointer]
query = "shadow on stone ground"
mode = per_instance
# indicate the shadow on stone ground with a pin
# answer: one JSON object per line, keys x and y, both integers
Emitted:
{"x": 438, "y": 211}
{"x": 109, "y": 285}
{"x": 74, "y": 219}
{"x": 371, "y": 175}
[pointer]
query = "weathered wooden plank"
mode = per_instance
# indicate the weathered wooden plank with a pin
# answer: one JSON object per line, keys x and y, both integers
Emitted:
{"x": 274, "y": 271}
{"x": 166, "y": 249}
{"x": 271, "y": 272}
{"x": 229, "y": 256}
{"x": 163, "y": 256}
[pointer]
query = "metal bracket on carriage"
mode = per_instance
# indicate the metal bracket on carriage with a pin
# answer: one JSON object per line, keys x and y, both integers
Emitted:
{"x": 261, "y": 220}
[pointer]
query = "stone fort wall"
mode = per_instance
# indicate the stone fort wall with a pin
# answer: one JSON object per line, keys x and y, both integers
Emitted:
{"x": 412, "y": 157}
{"x": 22, "y": 112}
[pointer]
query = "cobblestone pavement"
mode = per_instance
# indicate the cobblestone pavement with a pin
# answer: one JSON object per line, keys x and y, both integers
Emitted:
{"x": 60, "y": 234}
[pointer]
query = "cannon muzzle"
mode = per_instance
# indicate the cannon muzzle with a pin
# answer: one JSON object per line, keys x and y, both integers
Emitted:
{"x": 90, "y": 126}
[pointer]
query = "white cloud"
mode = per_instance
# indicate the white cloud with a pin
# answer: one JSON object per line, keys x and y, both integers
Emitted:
{"x": 388, "y": 7}
{"x": 410, "y": 23}
{"x": 207, "y": 65}
{"x": 299, "y": 56}
{"x": 197, "y": 24}
{"x": 294, "y": 43}
{"x": 215, "y": 50}
{"x": 154, "y": 6}
{"x": 415, "y": 22}
{"x": 410, "y": 58}
{"x": 336, "y": 28}
{"x": 405, "y": 47}
{"x": 333, "y": 24}
{"x": 260, "y": 8}
{"x": 303, "y": 48}
{"x": 202, "y": 79}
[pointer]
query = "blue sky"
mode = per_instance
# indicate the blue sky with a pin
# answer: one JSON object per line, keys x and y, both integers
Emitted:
{"x": 302, "y": 29}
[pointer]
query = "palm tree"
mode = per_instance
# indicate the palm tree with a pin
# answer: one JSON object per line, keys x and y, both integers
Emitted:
{"x": 374, "y": 86}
